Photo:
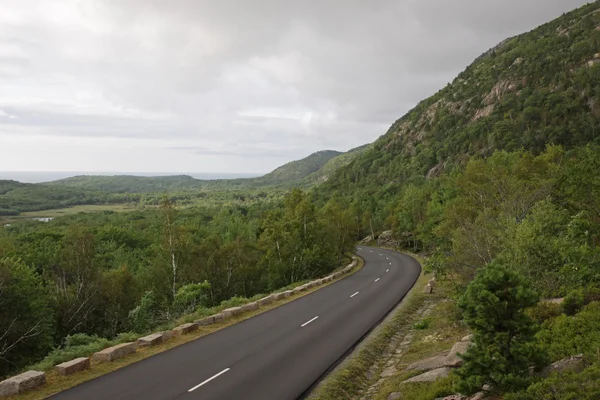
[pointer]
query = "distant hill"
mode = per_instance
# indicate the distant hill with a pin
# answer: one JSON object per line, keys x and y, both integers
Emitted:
{"x": 291, "y": 174}
{"x": 129, "y": 183}
{"x": 327, "y": 170}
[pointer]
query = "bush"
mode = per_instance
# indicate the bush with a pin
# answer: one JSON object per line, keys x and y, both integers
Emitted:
{"x": 544, "y": 311}
{"x": 566, "y": 336}
{"x": 565, "y": 386}
{"x": 590, "y": 295}
{"x": 421, "y": 325}
{"x": 573, "y": 302}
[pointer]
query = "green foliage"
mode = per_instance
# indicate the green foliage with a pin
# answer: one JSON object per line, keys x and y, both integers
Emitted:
{"x": 566, "y": 336}
{"x": 191, "y": 296}
{"x": 26, "y": 321}
{"x": 143, "y": 317}
{"x": 421, "y": 325}
{"x": 564, "y": 386}
{"x": 544, "y": 311}
{"x": 504, "y": 347}
{"x": 573, "y": 302}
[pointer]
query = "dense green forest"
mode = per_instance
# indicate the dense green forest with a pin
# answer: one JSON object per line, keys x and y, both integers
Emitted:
{"x": 494, "y": 178}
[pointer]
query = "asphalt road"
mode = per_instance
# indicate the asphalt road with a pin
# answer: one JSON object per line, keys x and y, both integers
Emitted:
{"x": 275, "y": 355}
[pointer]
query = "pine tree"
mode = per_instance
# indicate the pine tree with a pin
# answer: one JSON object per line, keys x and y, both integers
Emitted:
{"x": 504, "y": 345}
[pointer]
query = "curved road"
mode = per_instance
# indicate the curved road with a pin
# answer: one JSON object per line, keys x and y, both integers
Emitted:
{"x": 275, "y": 355}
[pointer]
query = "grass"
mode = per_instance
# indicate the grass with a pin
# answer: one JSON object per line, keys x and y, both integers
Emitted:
{"x": 90, "y": 208}
{"x": 56, "y": 383}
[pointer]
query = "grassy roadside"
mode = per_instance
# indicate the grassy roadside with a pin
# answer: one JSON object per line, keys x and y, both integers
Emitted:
{"x": 352, "y": 375}
{"x": 56, "y": 383}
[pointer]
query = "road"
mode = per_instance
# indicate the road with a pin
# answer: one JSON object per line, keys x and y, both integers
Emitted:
{"x": 275, "y": 355}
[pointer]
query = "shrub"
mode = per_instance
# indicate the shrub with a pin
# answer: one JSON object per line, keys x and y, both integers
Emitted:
{"x": 591, "y": 294}
{"x": 421, "y": 325}
{"x": 544, "y": 311}
{"x": 573, "y": 302}
{"x": 566, "y": 336}
{"x": 565, "y": 386}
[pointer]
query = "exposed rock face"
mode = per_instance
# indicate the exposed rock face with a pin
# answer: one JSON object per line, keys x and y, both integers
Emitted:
{"x": 430, "y": 376}
{"x": 428, "y": 363}
{"x": 395, "y": 396}
{"x": 574, "y": 363}
{"x": 115, "y": 352}
{"x": 21, "y": 383}
{"x": 151, "y": 340}
{"x": 453, "y": 360}
{"x": 184, "y": 329}
{"x": 76, "y": 365}
{"x": 385, "y": 239}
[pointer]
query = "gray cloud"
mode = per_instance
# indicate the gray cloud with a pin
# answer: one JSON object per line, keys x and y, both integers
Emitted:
{"x": 232, "y": 84}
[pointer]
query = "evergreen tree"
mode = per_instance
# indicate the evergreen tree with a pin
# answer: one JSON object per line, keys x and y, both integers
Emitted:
{"x": 504, "y": 346}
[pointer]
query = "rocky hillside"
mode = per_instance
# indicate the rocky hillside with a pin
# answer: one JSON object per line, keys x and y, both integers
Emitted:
{"x": 531, "y": 90}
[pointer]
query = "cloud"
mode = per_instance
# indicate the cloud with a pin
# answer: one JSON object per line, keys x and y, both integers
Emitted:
{"x": 233, "y": 80}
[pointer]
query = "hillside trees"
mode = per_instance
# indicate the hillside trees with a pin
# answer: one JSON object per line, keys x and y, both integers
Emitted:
{"x": 26, "y": 319}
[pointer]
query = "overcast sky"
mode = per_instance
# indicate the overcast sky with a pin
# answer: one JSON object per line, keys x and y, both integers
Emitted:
{"x": 227, "y": 85}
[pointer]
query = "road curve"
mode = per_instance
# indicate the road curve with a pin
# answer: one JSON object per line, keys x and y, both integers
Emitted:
{"x": 276, "y": 355}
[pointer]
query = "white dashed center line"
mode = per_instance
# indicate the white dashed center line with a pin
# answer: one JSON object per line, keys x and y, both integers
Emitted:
{"x": 390, "y": 263}
{"x": 354, "y": 294}
{"x": 377, "y": 279}
{"x": 308, "y": 322}
{"x": 209, "y": 379}
{"x": 387, "y": 270}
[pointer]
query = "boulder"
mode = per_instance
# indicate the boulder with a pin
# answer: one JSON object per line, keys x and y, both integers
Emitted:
{"x": 115, "y": 352}
{"x": 278, "y": 296}
{"x": 428, "y": 289}
{"x": 185, "y": 329}
{"x": 394, "y": 396}
{"x": 558, "y": 300}
{"x": 21, "y": 383}
{"x": 574, "y": 363}
{"x": 151, "y": 340}
{"x": 385, "y": 239}
{"x": 76, "y": 365}
{"x": 453, "y": 397}
{"x": 287, "y": 293}
{"x": 367, "y": 240}
{"x": 299, "y": 289}
{"x": 230, "y": 312}
{"x": 205, "y": 321}
{"x": 428, "y": 363}
{"x": 468, "y": 338}
{"x": 430, "y": 376}
{"x": 218, "y": 317}
{"x": 265, "y": 301}
{"x": 250, "y": 307}
{"x": 453, "y": 360}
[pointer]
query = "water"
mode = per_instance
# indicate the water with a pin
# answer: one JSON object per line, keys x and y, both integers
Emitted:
{"x": 48, "y": 176}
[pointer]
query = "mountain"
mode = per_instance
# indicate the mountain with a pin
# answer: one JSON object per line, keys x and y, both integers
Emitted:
{"x": 297, "y": 170}
{"x": 327, "y": 170}
{"x": 531, "y": 90}
{"x": 291, "y": 174}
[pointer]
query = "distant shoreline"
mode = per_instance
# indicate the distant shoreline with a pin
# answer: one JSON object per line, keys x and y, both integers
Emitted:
{"x": 49, "y": 176}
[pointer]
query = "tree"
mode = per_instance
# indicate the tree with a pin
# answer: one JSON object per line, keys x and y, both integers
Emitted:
{"x": 504, "y": 346}
{"x": 25, "y": 316}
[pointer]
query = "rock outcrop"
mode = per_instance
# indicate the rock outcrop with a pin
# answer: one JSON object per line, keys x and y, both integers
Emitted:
{"x": 430, "y": 376}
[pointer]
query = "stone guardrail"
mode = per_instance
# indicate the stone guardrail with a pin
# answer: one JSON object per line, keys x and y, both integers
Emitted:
{"x": 32, "y": 379}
